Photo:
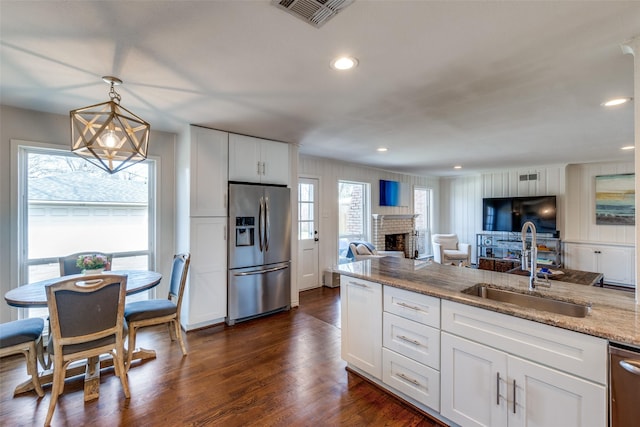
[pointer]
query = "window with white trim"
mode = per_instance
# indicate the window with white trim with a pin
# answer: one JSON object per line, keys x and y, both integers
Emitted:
{"x": 354, "y": 212}
{"x": 68, "y": 205}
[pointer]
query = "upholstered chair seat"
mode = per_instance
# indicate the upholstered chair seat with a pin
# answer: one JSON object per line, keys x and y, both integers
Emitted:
{"x": 24, "y": 336}
{"x": 142, "y": 310}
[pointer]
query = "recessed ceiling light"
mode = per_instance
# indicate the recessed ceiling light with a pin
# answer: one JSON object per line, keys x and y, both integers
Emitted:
{"x": 616, "y": 101}
{"x": 344, "y": 63}
{"x": 381, "y": 149}
{"x": 628, "y": 147}
{"x": 457, "y": 167}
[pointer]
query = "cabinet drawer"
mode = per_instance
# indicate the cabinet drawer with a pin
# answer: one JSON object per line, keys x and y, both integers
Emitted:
{"x": 567, "y": 351}
{"x": 411, "y": 305}
{"x": 411, "y": 378}
{"x": 411, "y": 339}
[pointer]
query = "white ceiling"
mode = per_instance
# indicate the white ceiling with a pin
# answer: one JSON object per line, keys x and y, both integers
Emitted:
{"x": 486, "y": 85}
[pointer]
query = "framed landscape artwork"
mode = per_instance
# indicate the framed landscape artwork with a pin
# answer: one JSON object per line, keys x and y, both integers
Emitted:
{"x": 615, "y": 199}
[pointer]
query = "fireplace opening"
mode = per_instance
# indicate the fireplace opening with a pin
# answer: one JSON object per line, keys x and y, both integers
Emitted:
{"x": 395, "y": 242}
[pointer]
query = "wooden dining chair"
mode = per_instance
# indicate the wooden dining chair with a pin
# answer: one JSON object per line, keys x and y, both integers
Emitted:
{"x": 24, "y": 336}
{"x": 87, "y": 317}
{"x": 139, "y": 314}
{"x": 68, "y": 263}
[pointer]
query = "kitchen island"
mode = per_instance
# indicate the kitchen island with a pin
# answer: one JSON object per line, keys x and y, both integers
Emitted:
{"x": 409, "y": 327}
{"x": 614, "y": 314}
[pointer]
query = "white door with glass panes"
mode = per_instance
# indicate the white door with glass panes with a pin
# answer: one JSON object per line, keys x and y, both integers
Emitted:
{"x": 308, "y": 267}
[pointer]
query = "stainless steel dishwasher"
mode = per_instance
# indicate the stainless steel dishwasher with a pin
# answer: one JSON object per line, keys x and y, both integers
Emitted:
{"x": 624, "y": 381}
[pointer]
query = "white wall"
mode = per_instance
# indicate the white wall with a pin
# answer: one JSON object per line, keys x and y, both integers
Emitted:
{"x": 581, "y": 216}
{"x": 330, "y": 172}
{"x": 27, "y": 125}
{"x": 460, "y": 207}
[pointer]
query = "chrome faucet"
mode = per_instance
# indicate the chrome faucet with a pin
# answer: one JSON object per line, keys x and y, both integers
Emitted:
{"x": 533, "y": 253}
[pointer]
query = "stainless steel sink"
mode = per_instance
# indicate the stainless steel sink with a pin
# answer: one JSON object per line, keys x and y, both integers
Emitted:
{"x": 537, "y": 302}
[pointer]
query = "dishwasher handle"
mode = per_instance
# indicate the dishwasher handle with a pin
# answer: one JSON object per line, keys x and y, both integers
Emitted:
{"x": 632, "y": 366}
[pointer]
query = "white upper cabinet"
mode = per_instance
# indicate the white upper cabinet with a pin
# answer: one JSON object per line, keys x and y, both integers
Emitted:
{"x": 208, "y": 172}
{"x": 258, "y": 160}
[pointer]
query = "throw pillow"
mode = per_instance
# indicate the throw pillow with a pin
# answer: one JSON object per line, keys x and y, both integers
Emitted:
{"x": 363, "y": 250}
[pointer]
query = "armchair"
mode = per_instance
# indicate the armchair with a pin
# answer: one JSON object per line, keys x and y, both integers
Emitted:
{"x": 447, "y": 250}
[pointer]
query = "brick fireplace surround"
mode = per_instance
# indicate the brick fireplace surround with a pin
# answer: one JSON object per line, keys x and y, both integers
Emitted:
{"x": 394, "y": 224}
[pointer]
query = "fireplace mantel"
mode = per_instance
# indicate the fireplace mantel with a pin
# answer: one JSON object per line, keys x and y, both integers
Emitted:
{"x": 394, "y": 216}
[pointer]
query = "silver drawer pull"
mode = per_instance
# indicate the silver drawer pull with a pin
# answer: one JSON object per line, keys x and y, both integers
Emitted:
{"x": 412, "y": 307}
{"x": 407, "y": 339}
{"x": 406, "y": 378}
{"x": 632, "y": 366}
{"x": 362, "y": 285}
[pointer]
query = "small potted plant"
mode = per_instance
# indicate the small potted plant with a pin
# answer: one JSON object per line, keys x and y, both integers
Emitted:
{"x": 92, "y": 263}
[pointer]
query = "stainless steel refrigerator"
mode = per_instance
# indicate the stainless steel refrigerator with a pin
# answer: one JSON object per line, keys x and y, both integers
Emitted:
{"x": 259, "y": 251}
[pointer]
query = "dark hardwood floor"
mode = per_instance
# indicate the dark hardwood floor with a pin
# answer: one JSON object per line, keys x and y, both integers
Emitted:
{"x": 281, "y": 370}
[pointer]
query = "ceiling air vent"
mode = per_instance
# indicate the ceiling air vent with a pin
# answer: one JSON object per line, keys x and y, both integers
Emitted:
{"x": 315, "y": 12}
{"x": 529, "y": 177}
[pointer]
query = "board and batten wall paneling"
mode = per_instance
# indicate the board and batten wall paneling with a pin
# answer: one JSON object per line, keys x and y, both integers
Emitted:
{"x": 581, "y": 201}
{"x": 460, "y": 203}
{"x": 461, "y": 208}
{"x": 549, "y": 181}
{"x": 329, "y": 172}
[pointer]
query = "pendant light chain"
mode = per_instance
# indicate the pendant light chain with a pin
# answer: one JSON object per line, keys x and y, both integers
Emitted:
{"x": 115, "y": 96}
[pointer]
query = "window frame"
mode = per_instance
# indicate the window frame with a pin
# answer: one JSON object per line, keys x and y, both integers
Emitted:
{"x": 19, "y": 210}
{"x": 366, "y": 214}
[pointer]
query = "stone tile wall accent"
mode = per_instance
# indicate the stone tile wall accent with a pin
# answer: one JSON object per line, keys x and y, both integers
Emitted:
{"x": 394, "y": 224}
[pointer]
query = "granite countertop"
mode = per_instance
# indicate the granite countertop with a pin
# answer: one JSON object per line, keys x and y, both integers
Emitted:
{"x": 614, "y": 315}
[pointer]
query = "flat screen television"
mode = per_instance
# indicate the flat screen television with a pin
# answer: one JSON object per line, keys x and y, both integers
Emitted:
{"x": 393, "y": 193}
{"x": 510, "y": 213}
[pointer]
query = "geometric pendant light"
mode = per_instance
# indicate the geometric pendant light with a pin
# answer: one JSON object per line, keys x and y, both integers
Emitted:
{"x": 108, "y": 135}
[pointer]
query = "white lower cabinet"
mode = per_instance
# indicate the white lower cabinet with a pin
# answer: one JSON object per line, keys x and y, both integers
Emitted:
{"x": 205, "y": 297}
{"x": 485, "y": 384}
{"x": 482, "y": 386}
{"x": 411, "y": 345}
{"x": 361, "y": 324}
{"x": 411, "y": 378}
{"x": 615, "y": 262}
{"x": 473, "y": 388}
{"x": 470, "y": 366}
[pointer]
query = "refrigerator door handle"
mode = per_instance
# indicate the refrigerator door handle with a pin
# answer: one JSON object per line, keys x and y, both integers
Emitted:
{"x": 268, "y": 270}
{"x": 261, "y": 223}
{"x": 267, "y": 228}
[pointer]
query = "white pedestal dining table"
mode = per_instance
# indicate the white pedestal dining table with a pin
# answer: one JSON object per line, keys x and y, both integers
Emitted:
{"x": 33, "y": 295}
